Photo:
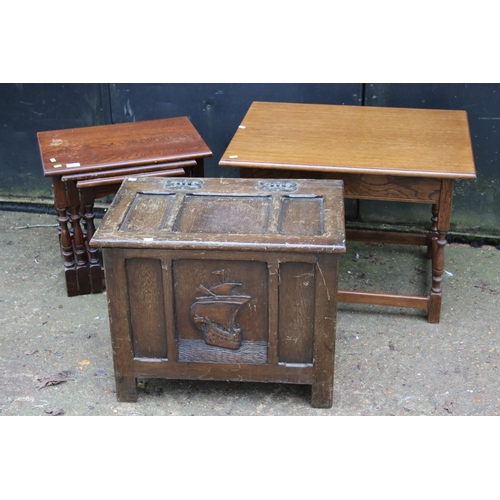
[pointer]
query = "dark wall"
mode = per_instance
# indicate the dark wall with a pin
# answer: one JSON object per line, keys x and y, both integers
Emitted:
{"x": 216, "y": 111}
{"x": 26, "y": 109}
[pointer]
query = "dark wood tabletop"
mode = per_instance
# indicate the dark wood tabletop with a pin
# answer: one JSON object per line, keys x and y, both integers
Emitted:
{"x": 104, "y": 147}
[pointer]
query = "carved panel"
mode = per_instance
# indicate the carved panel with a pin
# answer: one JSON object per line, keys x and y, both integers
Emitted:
{"x": 215, "y": 312}
{"x": 184, "y": 184}
{"x": 277, "y": 186}
{"x": 221, "y": 311}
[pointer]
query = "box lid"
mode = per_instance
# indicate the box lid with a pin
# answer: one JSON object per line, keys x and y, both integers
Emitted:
{"x": 226, "y": 214}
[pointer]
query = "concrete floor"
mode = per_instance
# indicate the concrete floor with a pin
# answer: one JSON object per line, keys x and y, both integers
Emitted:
{"x": 389, "y": 361}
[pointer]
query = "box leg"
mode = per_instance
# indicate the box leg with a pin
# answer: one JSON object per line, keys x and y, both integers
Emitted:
{"x": 324, "y": 331}
{"x": 322, "y": 391}
{"x": 121, "y": 335}
{"x": 126, "y": 389}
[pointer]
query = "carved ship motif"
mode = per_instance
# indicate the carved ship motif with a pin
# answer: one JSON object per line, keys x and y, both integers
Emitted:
{"x": 215, "y": 314}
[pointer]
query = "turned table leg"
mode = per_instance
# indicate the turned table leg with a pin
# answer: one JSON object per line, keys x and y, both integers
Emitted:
{"x": 78, "y": 238}
{"x": 438, "y": 244}
{"x": 65, "y": 240}
{"x": 96, "y": 274}
{"x": 433, "y": 231}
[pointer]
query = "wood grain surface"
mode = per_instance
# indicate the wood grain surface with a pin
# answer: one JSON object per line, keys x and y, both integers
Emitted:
{"x": 353, "y": 139}
{"x": 125, "y": 144}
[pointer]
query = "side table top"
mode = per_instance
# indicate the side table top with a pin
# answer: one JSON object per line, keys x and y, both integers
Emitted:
{"x": 353, "y": 139}
{"x": 125, "y": 144}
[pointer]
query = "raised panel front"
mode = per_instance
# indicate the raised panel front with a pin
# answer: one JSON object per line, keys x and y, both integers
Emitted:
{"x": 147, "y": 212}
{"x": 296, "y": 312}
{"x": 221, "y": 311}
{"x": 147, "y": 307}
{"x": 224, "y": 214}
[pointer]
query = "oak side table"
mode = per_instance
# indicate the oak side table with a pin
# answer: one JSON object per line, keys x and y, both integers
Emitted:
{"x": 91, "y": 162}
{"x": 223, "y": 279}
{"x": 389, "y": 154}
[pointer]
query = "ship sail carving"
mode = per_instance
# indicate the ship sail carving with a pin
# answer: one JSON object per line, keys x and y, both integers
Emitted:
{"x": 215, "y": 313}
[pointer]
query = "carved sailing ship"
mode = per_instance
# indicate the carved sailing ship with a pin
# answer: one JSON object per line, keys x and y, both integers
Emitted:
{"x": 215, "y": 313}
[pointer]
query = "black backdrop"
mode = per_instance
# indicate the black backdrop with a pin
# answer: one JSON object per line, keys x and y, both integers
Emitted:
{"x": 216, "y": 111}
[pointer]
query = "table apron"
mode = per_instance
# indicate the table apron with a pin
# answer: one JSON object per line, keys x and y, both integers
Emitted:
{"x": 391, "y": 188}
{"x": 366, "y": 186}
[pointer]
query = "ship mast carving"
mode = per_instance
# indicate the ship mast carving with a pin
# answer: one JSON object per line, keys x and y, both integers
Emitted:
{"x": 214, "y": 313}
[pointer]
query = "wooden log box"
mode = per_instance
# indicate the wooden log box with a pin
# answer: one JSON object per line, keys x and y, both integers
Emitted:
{"x": 223, "y": 279}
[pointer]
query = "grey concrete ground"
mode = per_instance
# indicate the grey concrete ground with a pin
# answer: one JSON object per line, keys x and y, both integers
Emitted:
{"x": 389, "y": 361}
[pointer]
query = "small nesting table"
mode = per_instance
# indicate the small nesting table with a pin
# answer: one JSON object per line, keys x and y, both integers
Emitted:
{"x": 91, "y": 162}
{"x": 223, "y": 279}
{"x": 389, "y": 154}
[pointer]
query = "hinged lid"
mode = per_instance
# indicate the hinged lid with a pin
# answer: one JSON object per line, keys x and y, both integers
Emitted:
{"x": 221, "y": 214}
